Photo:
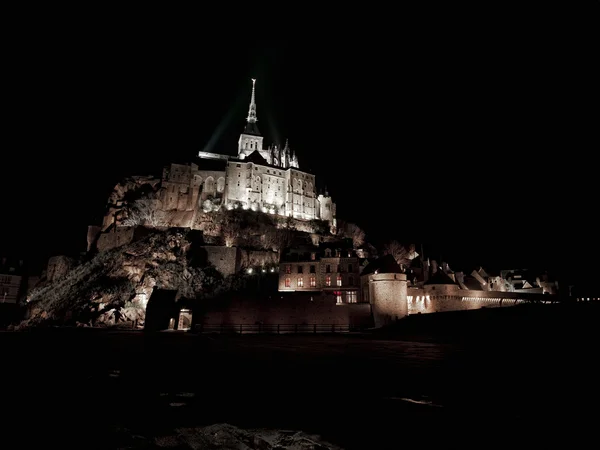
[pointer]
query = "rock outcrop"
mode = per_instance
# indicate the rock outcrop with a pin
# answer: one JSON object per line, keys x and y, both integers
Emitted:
{"x": 114, "y": 286}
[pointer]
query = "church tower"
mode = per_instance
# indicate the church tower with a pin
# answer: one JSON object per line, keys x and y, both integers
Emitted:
{"x": 251, "y": 140}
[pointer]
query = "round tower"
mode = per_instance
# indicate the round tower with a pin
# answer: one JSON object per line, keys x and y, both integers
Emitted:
{"x": 388, "y": 295}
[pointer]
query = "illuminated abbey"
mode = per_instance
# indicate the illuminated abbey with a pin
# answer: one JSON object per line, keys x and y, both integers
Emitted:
{"x": 266, "y": 179}
{"x": 258, "y": 179}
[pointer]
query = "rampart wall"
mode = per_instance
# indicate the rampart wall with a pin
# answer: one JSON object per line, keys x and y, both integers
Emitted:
{"x": 461, "y": 300}
{"x": 288, "y": 310}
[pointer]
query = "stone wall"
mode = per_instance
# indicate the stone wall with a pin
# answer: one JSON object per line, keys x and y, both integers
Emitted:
{"x": 119, "y": 236}
{"x": 92, "y": 235}
{"x": 391, "y": 300}
{"x": 230, "y": 260}
{"x": 225, "y": 259}
{"x": 254, "y": 258}
{"x": 58, "y": 267}
{"x": 420, "y": 302}
{"x": 289, "y": 309}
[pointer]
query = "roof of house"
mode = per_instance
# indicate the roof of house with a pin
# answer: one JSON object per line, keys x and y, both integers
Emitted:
{"x": 384, "y": 264}
{"x": 440, "y": 278}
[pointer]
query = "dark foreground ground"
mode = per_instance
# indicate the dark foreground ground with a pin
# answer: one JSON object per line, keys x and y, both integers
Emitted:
{"x": 523, "y": 377}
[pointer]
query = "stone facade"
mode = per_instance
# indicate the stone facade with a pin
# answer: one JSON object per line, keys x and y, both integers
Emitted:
{"x": 10, "y": 287}
{"x": 327, "y": 269}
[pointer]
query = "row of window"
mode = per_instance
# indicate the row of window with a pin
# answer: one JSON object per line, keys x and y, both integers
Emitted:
{"x": 313, "y": 281}
{"x": 313, "y": 268}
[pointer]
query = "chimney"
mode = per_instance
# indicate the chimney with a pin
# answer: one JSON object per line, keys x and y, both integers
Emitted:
{"x": 434, "y": 266}
{"x": 445, "y": 267}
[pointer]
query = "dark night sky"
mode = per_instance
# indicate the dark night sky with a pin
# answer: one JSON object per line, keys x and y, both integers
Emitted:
{"x": 476, "y": 140}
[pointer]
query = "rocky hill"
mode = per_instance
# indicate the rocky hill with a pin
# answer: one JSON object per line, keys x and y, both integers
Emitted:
{"x": 114, "y": 286}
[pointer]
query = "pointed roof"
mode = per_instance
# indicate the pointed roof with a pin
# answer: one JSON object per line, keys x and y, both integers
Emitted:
{"x": 252, "y": 128}
{"x": 441, "y": 278}
{"x": 385, "y": 264}
{"x": 256, "y": 158}
{"x": 251, "y": 120}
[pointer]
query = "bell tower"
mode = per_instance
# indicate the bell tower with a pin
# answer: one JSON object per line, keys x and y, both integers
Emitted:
{"x": 251, "y": 139}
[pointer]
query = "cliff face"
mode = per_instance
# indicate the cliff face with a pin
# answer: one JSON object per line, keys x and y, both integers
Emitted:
{"x": 114, "y": 286}
{"x": 126, "y": 192}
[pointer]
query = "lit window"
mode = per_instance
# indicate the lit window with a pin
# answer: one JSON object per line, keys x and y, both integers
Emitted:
{"x": 339, "y": 280}
{"x": 338, "y": 298}
{"x": 300, "y": 282}
{"x": 351, "y": 297}
{"x": 313, "y": 281}
{"x": 287, "y": 282}
{"x": 327, "y": 280}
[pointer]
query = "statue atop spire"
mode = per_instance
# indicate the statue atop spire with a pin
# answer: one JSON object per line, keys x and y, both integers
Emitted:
{"x": 251, "y": 127}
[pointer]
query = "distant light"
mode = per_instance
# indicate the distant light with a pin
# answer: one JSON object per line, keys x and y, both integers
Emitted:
{"x": 264, "y": 270}
{"x": 250, "y": 270}
{"x": 272, "y": 269}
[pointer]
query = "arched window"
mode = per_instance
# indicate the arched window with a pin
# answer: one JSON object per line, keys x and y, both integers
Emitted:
{"x": 220, "y": 184}
{"x": 209, "y": 185}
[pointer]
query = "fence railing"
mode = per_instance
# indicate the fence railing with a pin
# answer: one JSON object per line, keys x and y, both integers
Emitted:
{"x": 273, "y": 328}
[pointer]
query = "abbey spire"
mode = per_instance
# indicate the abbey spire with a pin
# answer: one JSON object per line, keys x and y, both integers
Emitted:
{"x": 250, "y": 139}
{"x": 251, "y": 127}
{"x": 252, "y": 110}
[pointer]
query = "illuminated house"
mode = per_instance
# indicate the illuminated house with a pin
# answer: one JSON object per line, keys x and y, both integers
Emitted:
{"x": 331, "y": 269}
